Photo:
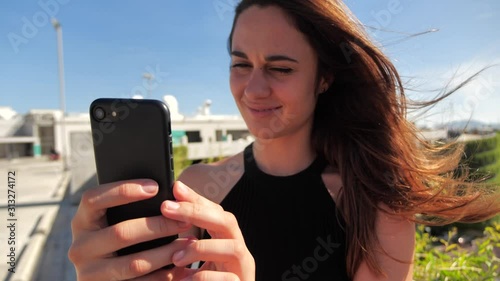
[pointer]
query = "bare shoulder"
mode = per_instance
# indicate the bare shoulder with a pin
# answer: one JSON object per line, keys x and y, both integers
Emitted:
{"x": 395, "y": 234}
{"x": 332, "y": 181}
{"x": 395, "y": 253}
{"x": 214, "y": 180}
{"x": 390, "y": 225}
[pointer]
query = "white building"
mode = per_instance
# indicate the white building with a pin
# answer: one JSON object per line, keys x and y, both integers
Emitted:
{"x": 16, "y": 135}
{"x": 40, "y": 131}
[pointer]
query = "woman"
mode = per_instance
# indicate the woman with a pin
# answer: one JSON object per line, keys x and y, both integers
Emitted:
{"x": 330, "y": 188}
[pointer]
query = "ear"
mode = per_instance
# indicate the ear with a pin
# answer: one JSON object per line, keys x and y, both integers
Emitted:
{"x": 325, "y": 82}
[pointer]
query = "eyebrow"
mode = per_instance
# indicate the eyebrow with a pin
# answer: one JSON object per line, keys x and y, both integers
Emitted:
{"x": 270, "y": 58}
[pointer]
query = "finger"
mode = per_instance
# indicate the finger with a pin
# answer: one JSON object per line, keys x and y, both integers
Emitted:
{"x": 124, "y": 234}
{"x": 135, "y": 265}
{"x": 177, "y": 273}
{"x": 142, "y": 263}
{"x": 211, "y": 250}
{"x": 183, "y": 192}
{"x": 216, "y": 221}
{"x": 94, "y": 202}
{"x": 206, "y": 275}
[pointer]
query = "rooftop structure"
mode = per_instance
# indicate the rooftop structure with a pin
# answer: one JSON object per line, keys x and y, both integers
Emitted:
{"x": 39, "y": 132}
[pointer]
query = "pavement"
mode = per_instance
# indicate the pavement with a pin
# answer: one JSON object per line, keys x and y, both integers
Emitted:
{"x": 38, "y": 227}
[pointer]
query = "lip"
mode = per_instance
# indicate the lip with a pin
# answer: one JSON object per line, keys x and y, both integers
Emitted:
{"x": 263, "y": 111}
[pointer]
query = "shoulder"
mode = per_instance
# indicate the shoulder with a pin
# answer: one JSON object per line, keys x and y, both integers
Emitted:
{"x": 332, "y": 181}
{"x": 389, "y": 223}
{"x": 395, "y": 233}
{"x": 396, "y": 236}
{"x": 214, "y": 180}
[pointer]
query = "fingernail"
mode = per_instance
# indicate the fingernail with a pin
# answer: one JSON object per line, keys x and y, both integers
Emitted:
{"x": 149, "y": 187}
{"x": 178, "y": 255}
{"x": 172, "y": 205}
{"x": 181, "y": 187}
{"x": 191, "y": 238}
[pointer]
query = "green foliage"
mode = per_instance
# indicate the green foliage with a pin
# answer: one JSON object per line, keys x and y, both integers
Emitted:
{"x": 180, "y": 160}
{"x": 483, "y": 156}
{"x": 450, "y": 262}
{"x": 210, "y": 160}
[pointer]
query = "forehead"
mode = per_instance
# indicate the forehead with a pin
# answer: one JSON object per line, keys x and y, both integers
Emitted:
{"x": 268, "y": 30}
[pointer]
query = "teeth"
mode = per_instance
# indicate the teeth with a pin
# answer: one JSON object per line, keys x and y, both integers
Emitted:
{"x": 265, "y": 110}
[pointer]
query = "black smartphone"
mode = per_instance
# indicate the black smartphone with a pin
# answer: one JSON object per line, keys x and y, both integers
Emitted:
{"x": 132, "y": 140}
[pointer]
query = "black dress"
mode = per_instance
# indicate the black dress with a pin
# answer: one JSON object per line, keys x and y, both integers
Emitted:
{"x": 289, "y": 223}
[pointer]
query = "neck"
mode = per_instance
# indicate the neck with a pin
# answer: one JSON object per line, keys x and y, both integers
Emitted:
{"x": 286, "y": 155}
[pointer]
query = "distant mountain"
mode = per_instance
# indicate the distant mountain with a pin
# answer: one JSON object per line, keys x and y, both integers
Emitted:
{"x": 470, "y": 125}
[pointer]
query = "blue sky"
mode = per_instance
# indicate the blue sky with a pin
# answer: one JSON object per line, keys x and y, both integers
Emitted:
{"x": 108, "y": 45}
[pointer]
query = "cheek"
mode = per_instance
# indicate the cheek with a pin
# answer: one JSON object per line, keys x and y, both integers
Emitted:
{"x": 300, "y": 99}
{"x": 236, "y": 85}
{"x": 299, "y": 93}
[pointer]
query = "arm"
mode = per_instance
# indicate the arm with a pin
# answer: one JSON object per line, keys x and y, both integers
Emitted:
{"x": 397, "y": 238}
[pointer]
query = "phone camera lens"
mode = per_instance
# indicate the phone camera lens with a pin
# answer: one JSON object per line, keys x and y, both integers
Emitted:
{"x": 99, "y": 113}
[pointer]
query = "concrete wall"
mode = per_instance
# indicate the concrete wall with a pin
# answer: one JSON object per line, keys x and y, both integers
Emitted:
{"x": 82, "y": 163}
{"x": 9, "y": 127}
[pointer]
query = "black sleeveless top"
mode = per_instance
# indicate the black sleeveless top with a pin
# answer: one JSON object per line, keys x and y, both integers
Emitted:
{"x": 289, "y": 224}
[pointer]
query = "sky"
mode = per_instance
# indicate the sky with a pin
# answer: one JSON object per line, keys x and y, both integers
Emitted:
{"x": 109, "y": 45}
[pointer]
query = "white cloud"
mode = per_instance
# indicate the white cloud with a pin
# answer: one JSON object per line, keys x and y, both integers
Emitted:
{"x": 485, "y": 16}
{"x": 479, "y": 99}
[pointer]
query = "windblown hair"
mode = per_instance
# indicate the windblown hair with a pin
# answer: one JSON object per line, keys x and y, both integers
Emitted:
{"x": 361, "y": 128}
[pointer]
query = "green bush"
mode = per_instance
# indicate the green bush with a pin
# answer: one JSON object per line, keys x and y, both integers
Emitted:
{"x": 483, "y": 156}
{"x": 180, "y": 160}
{"x": 475, "y": 147}
{"x": 450, "y": 262}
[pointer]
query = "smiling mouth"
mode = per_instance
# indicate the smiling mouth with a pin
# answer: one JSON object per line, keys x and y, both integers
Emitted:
{"x": 265, "y": 109}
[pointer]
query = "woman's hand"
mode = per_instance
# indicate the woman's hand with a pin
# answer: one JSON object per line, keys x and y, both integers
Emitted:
{"x": 226, "y": 255}
{"x": 94, "y": 242}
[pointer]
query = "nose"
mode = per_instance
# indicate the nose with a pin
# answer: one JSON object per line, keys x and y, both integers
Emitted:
{"x": 257, "y": 85}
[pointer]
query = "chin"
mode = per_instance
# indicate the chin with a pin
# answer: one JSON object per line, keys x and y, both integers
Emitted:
{"x": 265, "y": 132}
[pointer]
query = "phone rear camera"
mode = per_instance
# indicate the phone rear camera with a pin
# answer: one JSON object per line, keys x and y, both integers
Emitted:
{"x": 99, "y": 113}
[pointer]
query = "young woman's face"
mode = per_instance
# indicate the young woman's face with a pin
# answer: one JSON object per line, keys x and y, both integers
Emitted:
{"x": 273, "y": 73}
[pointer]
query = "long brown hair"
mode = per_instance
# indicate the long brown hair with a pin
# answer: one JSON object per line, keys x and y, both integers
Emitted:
{"x": 360, "y": 127}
